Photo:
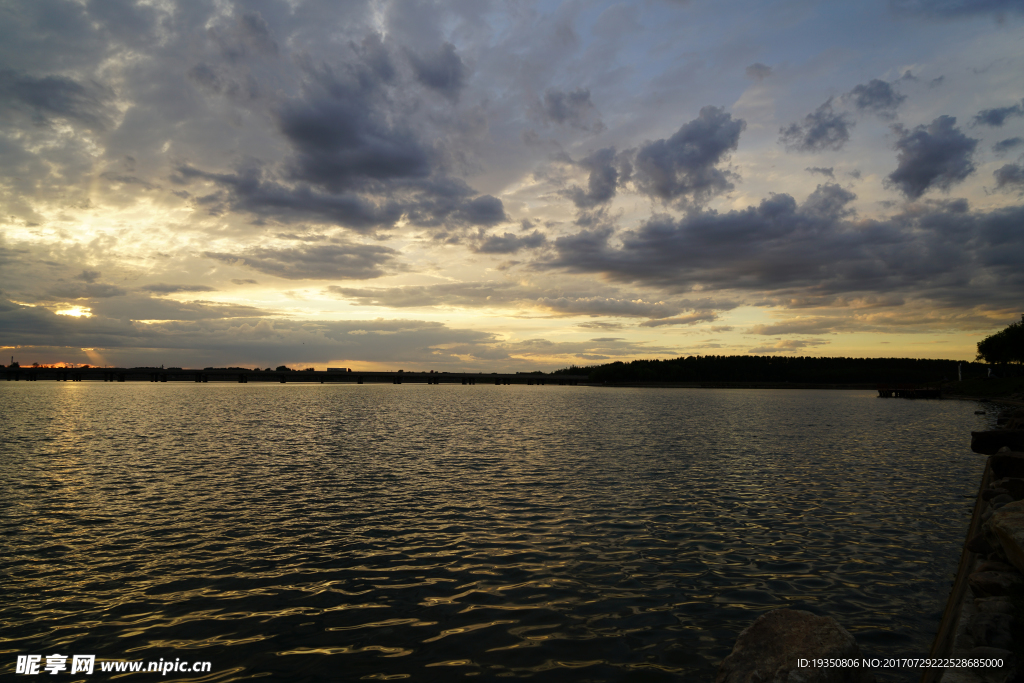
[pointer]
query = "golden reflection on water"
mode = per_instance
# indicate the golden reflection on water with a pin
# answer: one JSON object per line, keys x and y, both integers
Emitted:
{"x": 395, "y": 530}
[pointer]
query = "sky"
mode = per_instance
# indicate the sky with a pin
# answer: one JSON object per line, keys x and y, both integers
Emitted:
{"x": 507, "y": 186}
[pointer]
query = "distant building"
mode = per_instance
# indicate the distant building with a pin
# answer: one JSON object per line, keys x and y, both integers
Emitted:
{"x": 339, "y": 370}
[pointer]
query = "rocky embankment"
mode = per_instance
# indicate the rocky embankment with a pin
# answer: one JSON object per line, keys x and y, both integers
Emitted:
{"x": 984, "y": 618}
{"x": 991, "y": 614}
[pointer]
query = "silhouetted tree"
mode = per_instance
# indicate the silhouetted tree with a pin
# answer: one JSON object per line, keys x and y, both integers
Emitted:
{"x": 1005, "y": 346}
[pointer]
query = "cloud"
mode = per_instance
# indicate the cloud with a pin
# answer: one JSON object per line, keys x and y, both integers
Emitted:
{"x": 796, "y": 326}
{"x": 682, "y": 320}
{"x": 877, "y": 97}
{"x": 162, "y": 288}
{"x": 88, "y": 290}
{"x": 247, "y": 341}
{"x": 510, "y": 243}
{"x": 606, "y": 169}
{"x": 87, "y": 104}
{"x": 1010, "y": 176}
{"x": 786, "y": 345}
{"x": 949, "y": 9}
{"x": 997, "y": 117}
{"x": 342, "y": 141}
{"x": 573, "y": 108}
{"x": 121, "y": 179}
{"x": 685, "y": 165}
{"x": 497, "y": 294}
{"x": 820, "y": 130}
{"x": 442, "y": 71}
{"x": 249, "y": 191}
{"x": 1006, "y": 145}
{"x": 940, "y": 251}
{"x": 823, "y": 171}
{"x": 759, "y": 71}
{"x": 344, "y": 261}
{"x": 937, "y": 155}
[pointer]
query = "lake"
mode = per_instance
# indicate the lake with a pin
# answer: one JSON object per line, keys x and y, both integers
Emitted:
{"x": 442, "y": 532}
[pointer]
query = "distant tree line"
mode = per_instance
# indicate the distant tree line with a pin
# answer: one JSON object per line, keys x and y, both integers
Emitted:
{"x": 798, "y": 369}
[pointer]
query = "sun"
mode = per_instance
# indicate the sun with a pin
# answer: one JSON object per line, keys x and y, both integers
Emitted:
{"x": 76, "y": 312}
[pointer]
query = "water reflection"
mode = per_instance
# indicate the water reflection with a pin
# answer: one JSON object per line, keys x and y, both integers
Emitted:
{"x": 426, "y": 531}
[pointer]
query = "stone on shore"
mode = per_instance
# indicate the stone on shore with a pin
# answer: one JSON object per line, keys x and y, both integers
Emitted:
{"x": 1007, "y": 465}
{"x": 1007, "y": 526}
{"x": 1013, "y": 486}
{"x": 993, "y": 584}
{"x": 769, "y": 650}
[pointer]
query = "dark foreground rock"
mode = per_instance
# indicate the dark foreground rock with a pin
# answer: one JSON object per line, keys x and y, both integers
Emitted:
{"x": 990, "y": 442}
{"x": 771, "y": 649}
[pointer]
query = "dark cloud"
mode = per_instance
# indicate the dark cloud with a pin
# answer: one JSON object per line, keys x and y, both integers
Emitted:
{"x": 997, "y": 117}
{"x": 1006, "y": 145}
{"x": 572, "y": 108}
{"x": 242, "y": 36}
{"x": 482, "y": 210}
{"x": 1010, "y": 176}
{"x": 88, "y": 104}
{"x": 949, "y": 9}
{"x": 823, "y": 171}
{"x": 341, "y": 142}
{"x": 442, "y": 71}
{"x": 250, "y": 191}
{"x": 359, "y": 158}
{"x": 122, "y": 179}
{"x": 136, "y": 307}
{"x": 607, "y": 171}
{"x": 691, "y": 319}
{"x": 940, "y": 250}
{"x": 163, "y": 288}
{"x": 821, "y": 130}
{"x": 759, "y": 71}
{"x": 244, "y": 281}
{"x": 685, "y": 165}
{"x": 257, "y": 33}
{"x": 89, "y": 276}
{"x": 239, "y": 340}
{"x": 318, "y": 262}
{"x": 489, "y": 294}
{"x": 938, "y": 155}
{"x": 788, "y": 345}
{"x": 829, "y": 202}
{"x": 877, "y": 97}
{"x": 88, "y": 290}
{"x": 510, "y": 243}
{"x": 124, "y": 20}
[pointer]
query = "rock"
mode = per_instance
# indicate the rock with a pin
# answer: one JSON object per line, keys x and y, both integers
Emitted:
{"x": 1001, "y": 500}
{"x": 1007, "y": 526}
{"x": 1009, "y": 464}
{"x": 993, "y": 492}
{"x": 992, "y": 630}
{"x": 1011, "y": 485}
{"x": 769, "y": 649}
{"x": 990, "y": 442}
{"x": 980, "y": 544}
{"x": 994, "y": 605}
{"x": 990, "y": 584}
{"x": 994, "y": 566}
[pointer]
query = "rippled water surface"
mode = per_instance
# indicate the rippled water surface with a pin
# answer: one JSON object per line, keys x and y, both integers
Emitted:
{"x": 435, "y": 532}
